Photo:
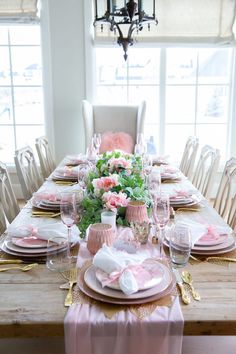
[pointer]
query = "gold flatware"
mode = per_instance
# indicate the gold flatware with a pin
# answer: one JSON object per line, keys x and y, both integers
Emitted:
{"x": 19, "y": 261}
{"x": 184, "y": 295}
{"x": 187, "y": 209}
{"x": 65, "y": 183}
{"x": 221, "y": 259}
{"x": 39, "y": 214}
{"x": 72, "y": 282}
{"x": 23, "y": 269}
{"x": 187, "y": 278}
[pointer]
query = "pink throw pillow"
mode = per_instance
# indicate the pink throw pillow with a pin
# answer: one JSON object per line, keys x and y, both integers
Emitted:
{"x": 116, "y": 141}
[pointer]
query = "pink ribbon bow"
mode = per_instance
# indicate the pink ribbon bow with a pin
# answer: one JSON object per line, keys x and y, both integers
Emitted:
{"x": 141, "y": 275}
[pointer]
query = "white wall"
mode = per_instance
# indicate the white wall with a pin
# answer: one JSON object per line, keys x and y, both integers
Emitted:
{"x": 64, "y": 73}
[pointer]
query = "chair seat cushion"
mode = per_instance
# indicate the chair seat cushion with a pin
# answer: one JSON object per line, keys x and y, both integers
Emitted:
{"x": 119, "y": 140}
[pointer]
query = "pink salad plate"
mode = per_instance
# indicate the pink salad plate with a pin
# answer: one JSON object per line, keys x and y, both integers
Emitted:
{"x": 93, "y": 283}
{"x": 29, "y": 242}
{"x": 45, "y": 205}
{"x": 10, "y": 248}
{"x": 121, "y": 301}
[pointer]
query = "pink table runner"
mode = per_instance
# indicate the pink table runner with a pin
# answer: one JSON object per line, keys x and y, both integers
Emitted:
{"x": 89, "y": 331}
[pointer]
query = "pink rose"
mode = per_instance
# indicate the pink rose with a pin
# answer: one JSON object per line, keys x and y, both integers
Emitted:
{"x": 115, "y": 200}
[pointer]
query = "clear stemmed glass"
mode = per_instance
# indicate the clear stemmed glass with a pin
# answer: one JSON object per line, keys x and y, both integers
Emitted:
{"x": 161, "y": 216}
{"x": 97, "y": 139}
{"x": 154, "y": 184}
{"x": 83, "y": 171}
{"x": 68, "y": 209}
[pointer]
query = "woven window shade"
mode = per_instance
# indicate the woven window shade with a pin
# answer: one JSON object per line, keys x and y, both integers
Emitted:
{"x": 184, "y": 21}
{"x": 18, "y": 10}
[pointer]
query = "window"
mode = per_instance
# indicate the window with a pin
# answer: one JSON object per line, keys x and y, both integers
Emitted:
{"x": 187, "y": 91}
{"x": 21, "y": 92}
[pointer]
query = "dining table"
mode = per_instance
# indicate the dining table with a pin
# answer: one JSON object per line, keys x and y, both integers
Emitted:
{"x": 32, "y": 302}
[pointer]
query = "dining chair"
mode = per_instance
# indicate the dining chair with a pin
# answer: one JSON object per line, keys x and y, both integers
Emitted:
{"x": 3, "y": 225}
{"x": 106, "y": 118}
{"x": 27, "y": 171}
{"x": 189, "y": 156}
{"x": 7, "y": 196}
{"x": 44, "y": 152}
{"x": 225, "y": 202}
{"x": 205, "y": 170}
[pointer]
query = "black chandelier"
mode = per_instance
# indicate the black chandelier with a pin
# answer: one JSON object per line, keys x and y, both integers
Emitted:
{"x": 119, "y": 13}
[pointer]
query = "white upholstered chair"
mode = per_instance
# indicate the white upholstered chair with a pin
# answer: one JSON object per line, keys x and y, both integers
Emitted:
{"x": 225, "y": 202}
{"x": 3, "y": 225}
{"x": 7, "y": 196}
{"x": 27, "y": 171}
{"x": 104, "y": 118}
{"x": 189, "y": 156}
{"x": 46, "y": 160}
{"x": 205, "y": 170}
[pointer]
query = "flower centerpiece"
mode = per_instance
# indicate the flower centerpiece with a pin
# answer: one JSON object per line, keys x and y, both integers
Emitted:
{"x": 118, "y": 178}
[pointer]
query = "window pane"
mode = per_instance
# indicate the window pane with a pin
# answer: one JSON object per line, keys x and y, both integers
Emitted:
{"x": 214, "y": 66}
{"x": 214, "y": 135}
{"x": 175, "y": 140}
{"x": 212, "y": 104}
{"x": 111, "y": 67}
{"x": 180, "y": 104}
{"x": 7, "y": 145}
{"x": 5, "y": 106}
{"x": 111, "y": 94}
{"x": 25, "y": 35}
{"x": 26, "y": 65}
{"x": 5, "y": 78}
{"x": 26, "y": 135}
{"x": 28, "y": 105}
{"x": 181, "y": 66}
{"x": 3, "y": 35}
{"x": 143, "y": 66}
{"x": 151, "y": 96}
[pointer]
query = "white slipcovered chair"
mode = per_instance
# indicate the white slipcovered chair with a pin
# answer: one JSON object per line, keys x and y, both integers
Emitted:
{"x": 27, "y": 171}
{"x": 225, "y": 202}
{"x": 7, "y": 196}
{"x": 46, "y": 160}
{"x": 189, "y": 156}
{"x": 205, "y": 170}
{"x": 3, "y": 225}
{"x": 104, "y": 118}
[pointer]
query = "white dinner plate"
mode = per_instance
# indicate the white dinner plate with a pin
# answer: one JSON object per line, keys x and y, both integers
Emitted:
{"x": 93, "y": 283}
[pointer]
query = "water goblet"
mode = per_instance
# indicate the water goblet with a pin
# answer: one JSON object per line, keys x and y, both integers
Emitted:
{"x": 180, "y": 244}
{"x": 161, "y": 216}
{"x": 68, "y": 211}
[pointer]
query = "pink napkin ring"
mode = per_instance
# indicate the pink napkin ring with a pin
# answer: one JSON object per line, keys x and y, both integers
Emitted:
{"x": 98, "y": 235}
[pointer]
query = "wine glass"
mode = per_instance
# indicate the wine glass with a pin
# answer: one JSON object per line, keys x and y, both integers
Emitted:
{"x": 68, "y": 211}
{"x": 154, "y": 184}
{"x": 161, "y": 216}
{"x": 83, "y": 172}
{"x": 97, "y": 139}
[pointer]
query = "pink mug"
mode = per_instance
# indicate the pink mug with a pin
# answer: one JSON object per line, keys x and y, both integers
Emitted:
{"x": 136, "y": 211}
{"x": 98, "y": 235}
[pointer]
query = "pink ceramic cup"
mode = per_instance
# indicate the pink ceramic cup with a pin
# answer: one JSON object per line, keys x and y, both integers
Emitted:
{"x": 136, "y": 211}
{"x": 98, "y": 235}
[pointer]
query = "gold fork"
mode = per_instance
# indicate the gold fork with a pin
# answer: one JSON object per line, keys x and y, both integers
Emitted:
{"x": 72, "y": 282}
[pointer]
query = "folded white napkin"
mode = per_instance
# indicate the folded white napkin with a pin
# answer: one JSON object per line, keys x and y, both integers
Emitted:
{"x": 198, "y": 230}
{"x": 43, "y": 232}
{"x": 110, "y": 260}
